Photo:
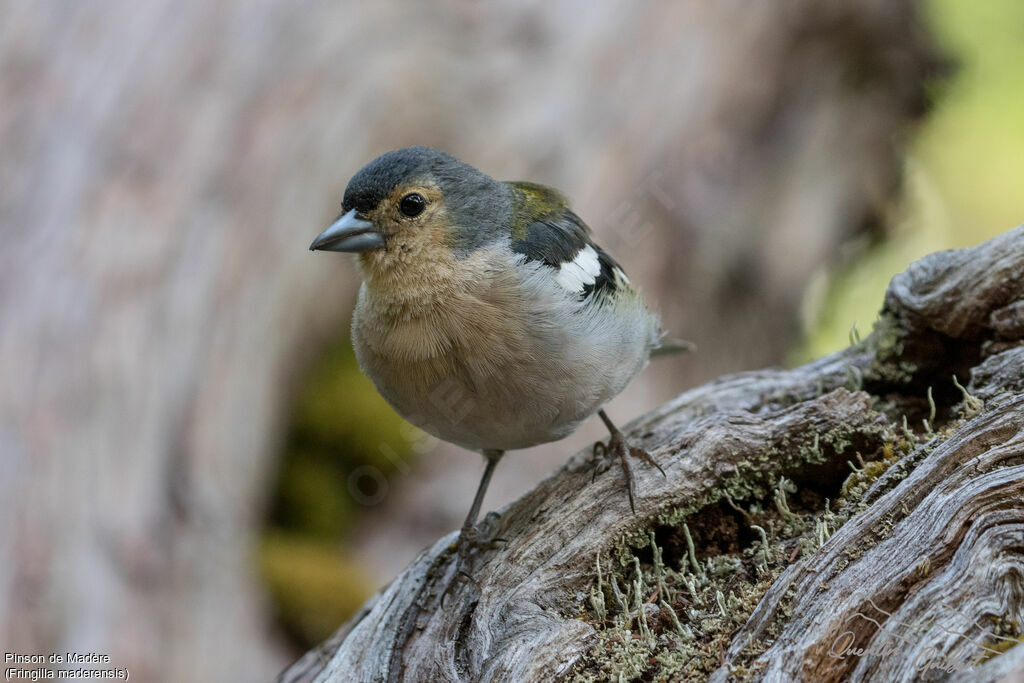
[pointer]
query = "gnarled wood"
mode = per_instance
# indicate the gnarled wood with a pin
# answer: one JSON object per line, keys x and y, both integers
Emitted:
{"x": 927, "y": 571}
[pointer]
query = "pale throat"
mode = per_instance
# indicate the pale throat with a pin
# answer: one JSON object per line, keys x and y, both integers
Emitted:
{"x": 411, "y": 279}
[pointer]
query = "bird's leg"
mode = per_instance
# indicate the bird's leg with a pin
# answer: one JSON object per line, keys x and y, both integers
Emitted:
{"x": 617, "y": 445}
{"x": 470, "y": 535}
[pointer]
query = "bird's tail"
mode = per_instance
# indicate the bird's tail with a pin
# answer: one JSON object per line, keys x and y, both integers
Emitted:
{"x": 668, "y": 346}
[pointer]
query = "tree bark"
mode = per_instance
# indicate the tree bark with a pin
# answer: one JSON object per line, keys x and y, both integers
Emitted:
{"x": 860, "y": 517}
{"x": 166, "y": 163}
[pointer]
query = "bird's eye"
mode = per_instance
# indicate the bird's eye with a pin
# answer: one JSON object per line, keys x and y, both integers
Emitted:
{"x": 412, "y": 204}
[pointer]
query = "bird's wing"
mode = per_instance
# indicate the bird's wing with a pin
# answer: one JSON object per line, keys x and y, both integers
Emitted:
{"x": 547, "y": 231}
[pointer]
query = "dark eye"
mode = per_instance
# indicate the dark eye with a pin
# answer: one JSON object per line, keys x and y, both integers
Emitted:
{"x": 412, "y": 204}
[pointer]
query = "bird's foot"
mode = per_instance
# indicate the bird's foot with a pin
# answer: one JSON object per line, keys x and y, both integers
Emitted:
{"x": 601, "y": 458}
{"x": 618, "y": 448}
{"x": 474, "y": 538}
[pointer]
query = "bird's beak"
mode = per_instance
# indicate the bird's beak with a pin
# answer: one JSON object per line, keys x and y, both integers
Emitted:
{"x": 349, "y": 233}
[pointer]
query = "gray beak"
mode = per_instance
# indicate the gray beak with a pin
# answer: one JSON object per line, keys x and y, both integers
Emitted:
{"x": 348, "y": 233}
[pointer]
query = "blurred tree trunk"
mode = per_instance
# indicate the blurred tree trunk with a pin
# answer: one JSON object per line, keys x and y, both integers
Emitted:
{"x": 166, "y": 164}
{"x": 915, "y": 557}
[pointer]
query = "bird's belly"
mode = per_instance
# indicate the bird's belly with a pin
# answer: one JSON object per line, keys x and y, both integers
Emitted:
{"x": 497, "y": 412}
{"x": 472, "y": 374}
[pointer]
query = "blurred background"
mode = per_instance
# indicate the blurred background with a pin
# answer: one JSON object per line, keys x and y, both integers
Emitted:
{"x": 195, "y": 477}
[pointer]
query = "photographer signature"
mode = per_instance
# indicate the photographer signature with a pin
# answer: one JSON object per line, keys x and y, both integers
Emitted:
{"x": 930, "y": 657}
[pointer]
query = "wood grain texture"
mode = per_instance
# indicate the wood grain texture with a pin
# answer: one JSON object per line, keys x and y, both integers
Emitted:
{"x": 929, "y": 571}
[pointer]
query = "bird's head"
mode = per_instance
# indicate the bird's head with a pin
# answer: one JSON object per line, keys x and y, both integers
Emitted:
{"x": 417, "y": 204}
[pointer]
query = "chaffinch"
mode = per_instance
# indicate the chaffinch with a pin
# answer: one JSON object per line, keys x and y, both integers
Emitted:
{"x": 487, "y": 316}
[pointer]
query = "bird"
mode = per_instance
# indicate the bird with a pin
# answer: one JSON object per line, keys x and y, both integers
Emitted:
{"x": 488, "y": 317}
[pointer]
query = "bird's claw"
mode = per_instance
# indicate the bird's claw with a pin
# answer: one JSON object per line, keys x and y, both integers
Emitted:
{"x": 472, "y": 539}
{"x": 469, "y": 540}
{"x": 602, "y": 460}
{"x": 620, "y": 448}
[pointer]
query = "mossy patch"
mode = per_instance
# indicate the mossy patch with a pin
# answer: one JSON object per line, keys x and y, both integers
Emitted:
{"x": 668, "y": 610}
{"x": 857, "y": 484}
{"x": 1002, "y": 635}
{"x": 886, "y": 342}
{"x": 668, "y": 600}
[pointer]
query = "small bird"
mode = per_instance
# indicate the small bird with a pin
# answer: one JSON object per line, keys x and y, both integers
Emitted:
{"x": 487, "y": 317}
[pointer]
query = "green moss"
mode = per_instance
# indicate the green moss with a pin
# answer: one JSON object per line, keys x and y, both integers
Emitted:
{"x": 671, "y": 621}
{"x": 659, "y": 619}
{"x": 1003, "y": 634}
{"x": 886, "y": 342}
{"x": 858, "y": 483}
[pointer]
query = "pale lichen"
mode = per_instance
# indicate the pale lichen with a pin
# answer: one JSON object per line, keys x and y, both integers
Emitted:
{"x": 692, "y": 581}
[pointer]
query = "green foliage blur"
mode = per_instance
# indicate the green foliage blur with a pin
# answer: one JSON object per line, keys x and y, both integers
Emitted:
{"x": 964, "y": 175}
{"x": 339, "y": 423}
{"x": 339, "y": 426}
{"x": 313, "y": 587}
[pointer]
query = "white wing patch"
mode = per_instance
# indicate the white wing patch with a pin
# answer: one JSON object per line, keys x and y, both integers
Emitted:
{"x": 581, "y": 271}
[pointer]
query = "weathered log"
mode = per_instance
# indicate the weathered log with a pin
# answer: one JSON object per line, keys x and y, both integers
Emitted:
{"x": 860, "y": 517}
